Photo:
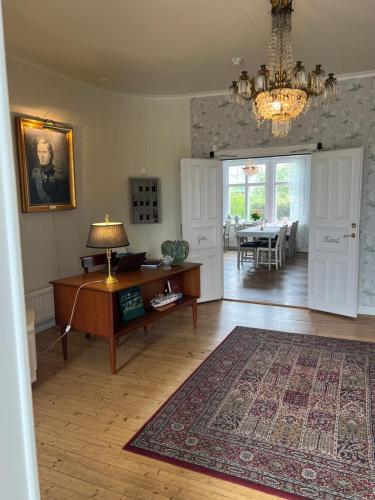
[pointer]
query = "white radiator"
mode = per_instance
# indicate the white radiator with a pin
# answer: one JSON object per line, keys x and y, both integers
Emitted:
{"x": 42, "y": 303}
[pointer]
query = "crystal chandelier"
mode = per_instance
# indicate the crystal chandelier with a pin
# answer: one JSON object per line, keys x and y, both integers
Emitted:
{"x": 250, "y": 169}
{"x": 282, "y": 90}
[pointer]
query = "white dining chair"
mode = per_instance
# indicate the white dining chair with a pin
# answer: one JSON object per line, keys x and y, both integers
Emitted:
{"x": 291, "y": 240}
{"x": 226, "y": 234}
{"x": 276, "y": 250}
{"x": 246, "y": 250}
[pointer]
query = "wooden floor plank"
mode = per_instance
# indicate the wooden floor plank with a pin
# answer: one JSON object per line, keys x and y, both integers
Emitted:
{"x": 286, "y": 285}
{"x": 84, "y": 415}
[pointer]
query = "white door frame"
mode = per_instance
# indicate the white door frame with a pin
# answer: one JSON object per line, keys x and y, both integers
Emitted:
{"x": 19, "y": 475}
{"x": 228, "y": 154}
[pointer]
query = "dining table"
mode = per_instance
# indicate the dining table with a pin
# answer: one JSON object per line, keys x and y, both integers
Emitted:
{"x": 269, "y": 231}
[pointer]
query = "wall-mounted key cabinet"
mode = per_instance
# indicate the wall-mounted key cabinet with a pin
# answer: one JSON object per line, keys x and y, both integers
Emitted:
{"x": 145, "y": 201}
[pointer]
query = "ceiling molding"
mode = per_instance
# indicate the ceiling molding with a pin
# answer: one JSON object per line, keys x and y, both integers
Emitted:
{"x": 193, "y": 95}
{"x": 355, "y": 76}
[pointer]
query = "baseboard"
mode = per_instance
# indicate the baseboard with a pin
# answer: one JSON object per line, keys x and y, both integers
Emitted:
{"x": 369, "y": 311}
{"x": 43, "y": 304}
{"x": 44, "y": 325}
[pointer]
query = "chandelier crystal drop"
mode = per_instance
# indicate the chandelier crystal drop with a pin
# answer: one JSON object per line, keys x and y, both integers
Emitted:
{"x": 282, "y": 90}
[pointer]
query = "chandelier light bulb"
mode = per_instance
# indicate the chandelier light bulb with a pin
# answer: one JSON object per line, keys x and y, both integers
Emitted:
{"x": 276, "y": 106}
{"x": 299, "y": 76}
{"x": 330, "y": 85}
{"x": 244, "y": 86}
{"x": 233, "y": 93}
{"x": 317, "y": 80}
{"x": 282, "y": 90}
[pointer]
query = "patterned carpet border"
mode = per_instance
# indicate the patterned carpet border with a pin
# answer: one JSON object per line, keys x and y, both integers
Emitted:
{"x": 133, "y": 447}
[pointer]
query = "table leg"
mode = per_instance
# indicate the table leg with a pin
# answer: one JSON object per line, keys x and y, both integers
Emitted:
{"x": 64, "y": 342}
{"x": 195, "y": 314}
{"x": 238, "y": 252}
{"x": 112, "y": 352}
{"x": 269, "y": 254}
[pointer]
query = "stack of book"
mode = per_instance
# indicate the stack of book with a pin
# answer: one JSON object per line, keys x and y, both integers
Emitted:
{"x": 151, "y": 264}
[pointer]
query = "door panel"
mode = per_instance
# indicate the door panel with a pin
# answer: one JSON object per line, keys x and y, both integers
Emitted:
{"x": 334, "y": 231}
{"x": 202, "y": 225}
{"x": 342, "y": 197}
{"x": 320, "y": 206}
{"x": 193, "y": 193}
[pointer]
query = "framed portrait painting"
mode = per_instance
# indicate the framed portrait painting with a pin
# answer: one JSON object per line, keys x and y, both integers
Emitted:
{"x": 45, "y": 155}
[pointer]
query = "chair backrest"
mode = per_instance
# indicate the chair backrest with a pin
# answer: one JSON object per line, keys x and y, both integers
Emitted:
{"x": 293, "y": 231}
{"x": 281, "y": 236}
{"x": 99, "y": 259}
{"x": 228, "y": 224}
{"x": 239, "y": 227}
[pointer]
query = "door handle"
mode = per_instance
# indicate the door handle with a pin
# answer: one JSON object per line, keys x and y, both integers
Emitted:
{"x": 349, "y": 235}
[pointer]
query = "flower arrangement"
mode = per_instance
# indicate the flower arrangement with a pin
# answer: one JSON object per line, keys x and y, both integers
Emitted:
{"x": 256, "y": 214}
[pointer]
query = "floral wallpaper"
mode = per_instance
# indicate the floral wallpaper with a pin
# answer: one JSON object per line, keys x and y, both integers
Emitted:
{"x": 349, "y": 122}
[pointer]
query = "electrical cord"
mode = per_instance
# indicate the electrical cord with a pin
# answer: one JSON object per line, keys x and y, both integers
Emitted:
{"x": 69, "y": 326}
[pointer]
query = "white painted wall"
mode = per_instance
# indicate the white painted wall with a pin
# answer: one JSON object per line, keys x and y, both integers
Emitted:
{"x": 139, "y": 134}
{"x": 114, "y": 138}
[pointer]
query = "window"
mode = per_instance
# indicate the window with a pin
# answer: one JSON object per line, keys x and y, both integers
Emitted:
{"x": 278, "y": 188}
{"x": 236, "y": 196}
{"x": 282, "y": 191}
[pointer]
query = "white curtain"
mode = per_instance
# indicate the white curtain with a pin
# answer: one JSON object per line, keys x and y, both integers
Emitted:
{"x": 299, "y": 188}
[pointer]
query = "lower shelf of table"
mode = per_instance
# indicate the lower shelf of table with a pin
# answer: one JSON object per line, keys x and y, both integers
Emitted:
{"x": 153, "y": 315}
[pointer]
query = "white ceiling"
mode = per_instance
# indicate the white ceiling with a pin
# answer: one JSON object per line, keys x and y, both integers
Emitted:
{"x": 165, "y": 47}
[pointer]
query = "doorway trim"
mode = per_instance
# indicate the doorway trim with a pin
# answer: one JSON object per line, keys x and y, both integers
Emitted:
{"x": 260, "y": 152}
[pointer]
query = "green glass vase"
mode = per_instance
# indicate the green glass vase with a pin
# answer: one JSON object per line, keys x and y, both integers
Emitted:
{"x": 178, "y": 249}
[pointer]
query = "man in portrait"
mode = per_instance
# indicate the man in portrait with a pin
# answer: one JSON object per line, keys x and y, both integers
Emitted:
{"x": 48, "y": 183}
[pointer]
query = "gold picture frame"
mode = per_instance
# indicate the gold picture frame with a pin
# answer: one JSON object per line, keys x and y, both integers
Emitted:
{"x": 46, "y": 165}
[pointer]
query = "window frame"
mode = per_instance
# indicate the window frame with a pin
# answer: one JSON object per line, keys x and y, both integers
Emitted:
{"x": 270, "y": 185}
{"x": 246, "y": 186}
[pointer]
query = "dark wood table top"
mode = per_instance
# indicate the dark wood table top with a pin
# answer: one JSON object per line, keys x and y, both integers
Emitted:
{"x": 125, "y": 280}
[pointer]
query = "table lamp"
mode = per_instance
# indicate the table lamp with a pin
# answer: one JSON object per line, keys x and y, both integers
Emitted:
{"x": 107, "y": 235}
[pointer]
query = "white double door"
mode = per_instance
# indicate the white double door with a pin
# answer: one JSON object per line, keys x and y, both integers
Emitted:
{"x": 334, "y": 227}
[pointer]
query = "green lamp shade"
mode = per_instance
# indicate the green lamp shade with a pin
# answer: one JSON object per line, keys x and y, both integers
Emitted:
{"x": 107, "y": 235}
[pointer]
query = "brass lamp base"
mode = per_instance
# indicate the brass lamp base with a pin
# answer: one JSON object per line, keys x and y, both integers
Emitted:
{"x": 110, "y": 279}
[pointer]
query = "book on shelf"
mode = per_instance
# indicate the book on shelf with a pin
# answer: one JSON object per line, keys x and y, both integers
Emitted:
{"x": 151, "y": 264}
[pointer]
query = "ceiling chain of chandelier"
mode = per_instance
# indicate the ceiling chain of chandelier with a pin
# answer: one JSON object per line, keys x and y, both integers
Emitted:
{"x": 282, "y": 90}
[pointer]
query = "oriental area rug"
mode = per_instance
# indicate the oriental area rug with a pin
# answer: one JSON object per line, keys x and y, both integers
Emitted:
{"x": 284, "y": 413}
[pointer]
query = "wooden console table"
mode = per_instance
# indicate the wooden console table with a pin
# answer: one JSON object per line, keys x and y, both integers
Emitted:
{"x": 97, "y": 308}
